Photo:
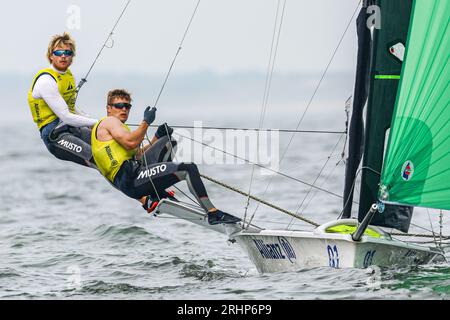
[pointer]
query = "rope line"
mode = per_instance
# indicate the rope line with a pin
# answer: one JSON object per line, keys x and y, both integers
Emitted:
{"x": 418, "y": 235}
{"x": 259, "y": 200}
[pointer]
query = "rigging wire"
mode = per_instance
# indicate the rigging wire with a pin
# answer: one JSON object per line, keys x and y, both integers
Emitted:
{"x": 272, "y": 59}
{"x": 174, "y": 155}
{"x": 162, "y": 89}
{"x": 181, "y": 191}
{"x": 176, "y": 54}
{"x": 264, "y": 167}
{"x": 312, "y": 97}
{"x": 432, "y": 228}
{"x": 315, "y": 180}
{"x": 268, "y": 82}
{"x": 84, "y": 80}
{"x": 150, "y": 178}
{"x": 247, "y": 129}
{"x": 264, "y": 104}
{"x": 266, "y": 95}
{"x": 423, "y": 228}
{"x": 440, "y": 228}
{"x": 353, "y": 186}
{"x": 324, "y": 182}
{"x": 342, "y": 156}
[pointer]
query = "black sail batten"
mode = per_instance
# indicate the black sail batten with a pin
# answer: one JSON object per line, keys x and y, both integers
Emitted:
{"x": 356, "y": 128}
{"x": 383, "y": 84}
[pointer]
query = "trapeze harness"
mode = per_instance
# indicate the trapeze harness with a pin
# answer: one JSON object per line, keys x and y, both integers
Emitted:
{"x": 64, "y": 141}
{"x": 136, "y": 179}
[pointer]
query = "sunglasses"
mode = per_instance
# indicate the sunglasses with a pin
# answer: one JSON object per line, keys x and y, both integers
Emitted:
{"x": 122, "y": 105}
{"x": 59, "y": 53}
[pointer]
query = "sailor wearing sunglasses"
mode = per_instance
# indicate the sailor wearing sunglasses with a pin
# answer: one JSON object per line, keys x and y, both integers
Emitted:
{"x": 64, "y": 129}
{"x": 136, "y": 171}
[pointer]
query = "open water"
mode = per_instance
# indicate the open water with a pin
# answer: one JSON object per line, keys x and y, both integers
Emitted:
{"x": 67, "y": 234}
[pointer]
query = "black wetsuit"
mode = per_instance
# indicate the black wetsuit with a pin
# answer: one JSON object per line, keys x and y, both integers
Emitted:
{"x": 152, "y": 177}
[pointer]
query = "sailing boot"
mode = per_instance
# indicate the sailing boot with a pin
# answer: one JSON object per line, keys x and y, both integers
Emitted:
{"x": 170, "y": 194}
{"x": 150, "y": 204}
{"x": 218, "y": 216}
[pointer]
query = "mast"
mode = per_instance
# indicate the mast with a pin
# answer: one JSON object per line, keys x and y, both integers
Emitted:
{"x": 356, "y": 129}
{"x": 385, "y": 59}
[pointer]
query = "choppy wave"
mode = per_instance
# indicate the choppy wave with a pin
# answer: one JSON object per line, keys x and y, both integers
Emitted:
{"x": 109, "y": 288}
{"x": 62, "y": 196}
{"x": 206, "y": 271}
{"x": 9, "y": 273}
{"x": 435, "y": 278}
{"x": 115, "y": 232}
{"x": 61, "y": 259}
{"x": 63, "y": 224}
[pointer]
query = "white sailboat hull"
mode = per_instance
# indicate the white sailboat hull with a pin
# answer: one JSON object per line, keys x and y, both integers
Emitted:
{"x": 277, "y": 251}
{"x": 283, "y": 250}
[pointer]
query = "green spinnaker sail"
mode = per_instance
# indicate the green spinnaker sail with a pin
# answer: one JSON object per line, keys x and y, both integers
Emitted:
{"x": 416, "y": 169}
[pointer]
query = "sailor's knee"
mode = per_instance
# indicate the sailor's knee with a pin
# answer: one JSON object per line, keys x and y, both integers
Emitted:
{"x": 188, "y": 166}
{"x": 173, "y": 143}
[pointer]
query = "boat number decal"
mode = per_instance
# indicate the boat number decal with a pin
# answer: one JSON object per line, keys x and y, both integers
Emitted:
{"x": 333, "y": 256}
{"x": 281, "y": 250}
{"x": 368, "y": 258}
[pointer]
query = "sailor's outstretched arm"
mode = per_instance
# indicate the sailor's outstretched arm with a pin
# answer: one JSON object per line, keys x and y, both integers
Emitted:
{"x": 130, "y": 140}
{"x": 47, "y": 89}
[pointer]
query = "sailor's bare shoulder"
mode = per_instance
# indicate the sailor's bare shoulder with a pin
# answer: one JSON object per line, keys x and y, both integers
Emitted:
{"x": 110, "y": 122}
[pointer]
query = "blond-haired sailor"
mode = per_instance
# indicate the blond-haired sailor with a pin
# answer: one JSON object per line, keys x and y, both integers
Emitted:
{"x": 64, "y": 129}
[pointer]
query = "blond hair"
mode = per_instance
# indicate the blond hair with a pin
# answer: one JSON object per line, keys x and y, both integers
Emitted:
{"x": 118, "y": 93}
{"x": 58, "y": 40}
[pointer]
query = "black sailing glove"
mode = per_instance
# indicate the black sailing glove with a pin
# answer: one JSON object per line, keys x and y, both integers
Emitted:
{"x": 162, "y": 131}
{"x": 150, "y": 115}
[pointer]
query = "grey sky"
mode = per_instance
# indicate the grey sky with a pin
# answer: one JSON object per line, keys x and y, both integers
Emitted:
{"x": 226, "y": 36}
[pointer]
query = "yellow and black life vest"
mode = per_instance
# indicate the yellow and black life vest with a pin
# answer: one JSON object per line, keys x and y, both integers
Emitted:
{"x": 41, "y": 112}
{"x": 109, "y": 155}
